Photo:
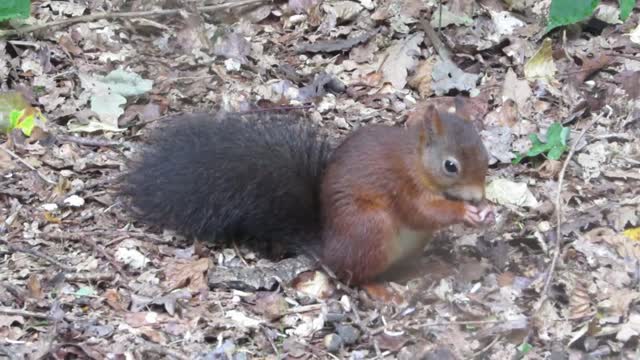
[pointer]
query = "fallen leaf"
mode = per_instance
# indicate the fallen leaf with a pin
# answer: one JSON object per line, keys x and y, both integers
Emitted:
{"x": 345, "y": 10}
{"x": 243, "y": 320}
{"x": 272, "y": 305}
{"x": 507, "y": 192}
{"x": 400, "y": 58}
{"x": 153, "y": 335}
{"x": 517, "y": 90}
{"x": 131, "y": 257}
{"x": 447, "y": 76}
{"x": 633, "y": 233}
{"x": 629, "y": 329}
{"x": 541, "y": 65}
{"x": 450, "y": 18}
{"x": 140, "y": 319}
{"x": 421, "y": 79}
{"x": 329, "y": 46}
{"x": 114, "y": 300}
{"x": 108, "y": 93}
{"x": 315, "y": 284}
{"x": 497, "y": 140}
{"x": 34, "y": 286}
{"x": 634, "y": 35}
{"x": 232, "y": 45}
{"x": 504, "y": 23}
{"x": 301, "y": 6}
{"x": 191, "y": 274}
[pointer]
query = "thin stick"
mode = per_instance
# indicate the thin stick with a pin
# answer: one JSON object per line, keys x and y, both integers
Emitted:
{"x": 123, "y": 15}
{"x": 468, "y": 322}
{"x": 304, "y": 309}
{"x": 15, "y": 156}
{"x": 37, "y": 254}
{"x": 545, "y": 290}
{"x": 88, "y": 141}
{"x": 89, "y": 277}
{"x": 273, "y": 345}
{"x": 486, "y": 348}
{"x": 25, "y": 313}
{"x": 437, "y": 44}
{"x": 239, "y": 254}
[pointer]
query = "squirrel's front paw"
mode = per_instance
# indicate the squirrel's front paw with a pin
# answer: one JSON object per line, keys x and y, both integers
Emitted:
{"x": 477, "y": 216}
{"x": 487, "y": 214}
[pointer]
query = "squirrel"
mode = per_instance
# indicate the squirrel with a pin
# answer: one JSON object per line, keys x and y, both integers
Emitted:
{"x": 363, "y": 206}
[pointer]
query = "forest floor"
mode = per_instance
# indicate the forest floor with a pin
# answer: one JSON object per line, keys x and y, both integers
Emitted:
{"x": 79, "y": 279}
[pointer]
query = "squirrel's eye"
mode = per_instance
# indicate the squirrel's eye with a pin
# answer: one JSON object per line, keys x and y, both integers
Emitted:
{"x": 451, "y": 167}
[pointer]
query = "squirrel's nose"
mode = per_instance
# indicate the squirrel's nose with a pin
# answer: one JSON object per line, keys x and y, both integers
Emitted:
{"x": 471, "y": 193}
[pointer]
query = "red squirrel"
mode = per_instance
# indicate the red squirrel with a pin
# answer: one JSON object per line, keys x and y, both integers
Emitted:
{"x": 363, "y": 206}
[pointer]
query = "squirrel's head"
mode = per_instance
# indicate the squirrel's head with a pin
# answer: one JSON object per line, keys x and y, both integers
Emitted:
{"x": 453, "y": 155}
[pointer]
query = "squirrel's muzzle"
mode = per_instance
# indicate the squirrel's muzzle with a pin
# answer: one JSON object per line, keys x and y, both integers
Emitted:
{"x": 470, "y": 193}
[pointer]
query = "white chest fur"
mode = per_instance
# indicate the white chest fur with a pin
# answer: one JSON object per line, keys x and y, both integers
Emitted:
{"x": 409, "y": 242}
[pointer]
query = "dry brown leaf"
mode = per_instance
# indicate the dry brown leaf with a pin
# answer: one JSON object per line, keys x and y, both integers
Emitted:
{"x": 580, "y": 304}
{"x": 421, "y": 79}
{"x": 113, "y": 298}
{"x": 272, "y": 305}
{"x": 313, "y": 283}
{"x": 192, "y": 274}
{"x": 153, "y": 335}
{"x": 140, "y": 319}
{"x": 35, "y": 288}
{"x": 505, "y": 279}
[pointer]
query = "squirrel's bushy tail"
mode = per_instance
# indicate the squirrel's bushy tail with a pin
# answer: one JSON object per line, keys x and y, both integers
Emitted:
{"x": 234, "y": 177}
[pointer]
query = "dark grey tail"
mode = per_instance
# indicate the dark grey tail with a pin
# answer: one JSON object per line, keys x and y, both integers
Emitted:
{"x": 235, "y": 177}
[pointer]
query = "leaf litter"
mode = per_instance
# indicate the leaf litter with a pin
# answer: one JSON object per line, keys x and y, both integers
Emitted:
{"x": 136, "y": 292}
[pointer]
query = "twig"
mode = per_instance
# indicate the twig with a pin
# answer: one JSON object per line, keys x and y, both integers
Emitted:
{"x": 89, "y": 277}
{"x": 486, "y": 348}
{"x": 107, "y": 256}
{"x": 87, "y": 141}
{"x": 545, "y": 290}
{"x": 84, "y": 237}
{"x": 160, "y": 350}
{"x": 270, "y": 340}
{"x": 123, "y": 15}
{"x": 438, "y": 45}
{"x": 305, "y": 308}
{"x": 239, "y": 254}
{"x": 467, "y": 322}
{"x": 15, "y": 156}
{"x": 25, "y": 313}
{"x": 37, "y": 254}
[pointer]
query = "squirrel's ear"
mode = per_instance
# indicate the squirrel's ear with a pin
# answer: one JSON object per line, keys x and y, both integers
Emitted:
{"x": 432, "y": 122}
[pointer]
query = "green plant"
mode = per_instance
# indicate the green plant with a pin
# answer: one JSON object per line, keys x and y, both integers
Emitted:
{"x": 24, "y": 120}
{"x": 567, "y": 12}
{"x": 556, "y": 145}
{"x": 14, "y": 9}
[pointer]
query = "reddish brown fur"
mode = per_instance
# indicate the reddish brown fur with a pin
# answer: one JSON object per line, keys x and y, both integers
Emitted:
{"x": 374, "y": 187}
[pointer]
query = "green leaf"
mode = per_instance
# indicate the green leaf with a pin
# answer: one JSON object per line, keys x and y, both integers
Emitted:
{"x": 24, "y": 120}
{"x": 518, "y": 158}
{"x": 556, "y": 144}
{"x": 537, "y": 150}
{"x": 556, "y": 152}
{"x": 554, "y": 134}
{"x": 626, "y": 6}
{"x": 525, "y": 348}
{"x": 85, "y": 291}
{"x": 567, "y": 12}
{"x": 14, "y": 9}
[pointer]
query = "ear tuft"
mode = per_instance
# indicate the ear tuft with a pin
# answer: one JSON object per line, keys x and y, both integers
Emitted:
{"x": 433, "y": 121}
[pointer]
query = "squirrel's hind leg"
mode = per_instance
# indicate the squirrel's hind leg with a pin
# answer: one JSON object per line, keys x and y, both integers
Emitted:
{"x": 357, "y": 248}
